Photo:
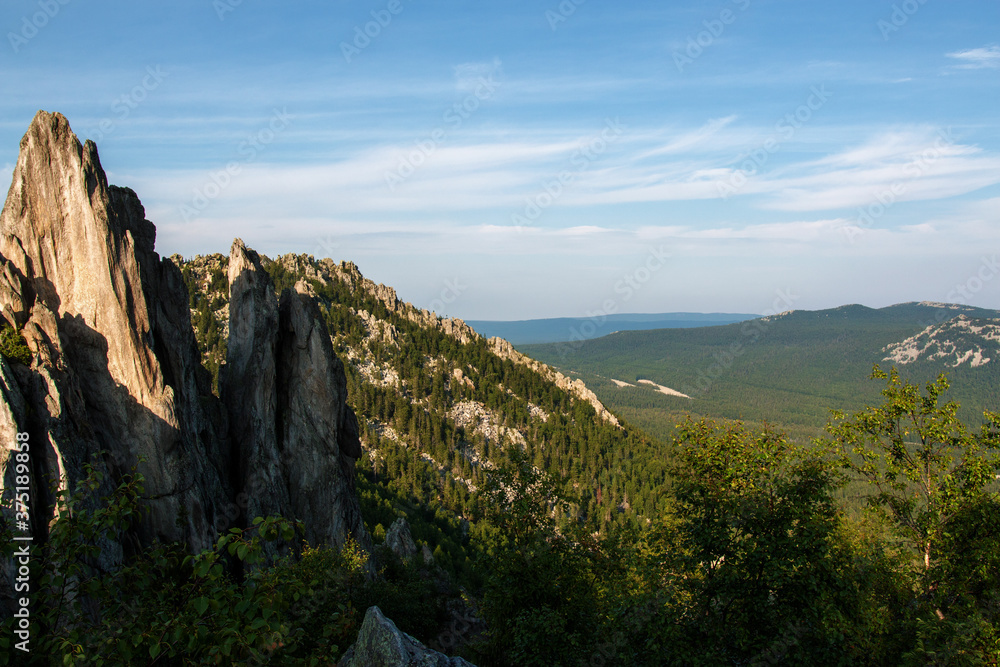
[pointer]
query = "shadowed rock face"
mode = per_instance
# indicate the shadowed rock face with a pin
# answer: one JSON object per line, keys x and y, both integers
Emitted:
{"x": 115, "y": 367}
{"x": 116, "y": 380}
{"x": 294, "y": 437}
{"x": 247, "y": 384}
{"x": 399, "y": 540}
{"x": 381, "y": 643}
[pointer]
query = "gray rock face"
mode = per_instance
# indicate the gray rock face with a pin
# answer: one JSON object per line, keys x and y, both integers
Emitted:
{"x": 381, "y": 644}
{"x": 116, "y": 380}
{"x": 248, "y": 386}
{"x": 399, "y": 540}
{"x": 318, "y": 430}
{"x": 115, "y": 366}
{"x": 294, "y": 437}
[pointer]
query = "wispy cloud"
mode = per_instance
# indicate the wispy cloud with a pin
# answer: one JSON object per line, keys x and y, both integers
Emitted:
{"x": 689, "y": 140}
{"x": 913, "y": 165}
{"x": 987, "y": 57}
{"x": 468, "y": 76}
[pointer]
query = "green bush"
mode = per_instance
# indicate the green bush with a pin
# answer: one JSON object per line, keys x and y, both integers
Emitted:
{"x": 168, "y": 606}
{"x": 13, "y": 347}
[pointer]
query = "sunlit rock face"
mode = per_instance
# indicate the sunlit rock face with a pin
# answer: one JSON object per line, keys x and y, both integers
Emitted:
{"x": 115, "y": 378}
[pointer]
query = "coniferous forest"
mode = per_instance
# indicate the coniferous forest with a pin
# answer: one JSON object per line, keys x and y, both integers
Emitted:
{"x": 554, "y": 536}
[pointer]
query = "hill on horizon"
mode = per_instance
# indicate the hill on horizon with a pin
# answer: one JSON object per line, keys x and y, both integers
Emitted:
{"x": 569, "y": 329}
{"x": 791, "y": 368}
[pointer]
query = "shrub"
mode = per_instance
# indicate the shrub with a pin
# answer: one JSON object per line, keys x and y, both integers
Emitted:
{"x": 13, "y": 347}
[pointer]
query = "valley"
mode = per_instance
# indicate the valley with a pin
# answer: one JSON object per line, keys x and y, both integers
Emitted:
{"x": 789, "y": 369}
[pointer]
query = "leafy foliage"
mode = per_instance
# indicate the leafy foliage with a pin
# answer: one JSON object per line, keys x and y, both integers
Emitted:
{"x": 750, "y": 561}
{"x": 168, "y": 606}
{"x": 12, "y": 345}
{"x": 923, "y": 465}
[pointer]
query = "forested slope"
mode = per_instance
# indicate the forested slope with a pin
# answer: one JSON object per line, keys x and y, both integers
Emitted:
{"x": 438, "y": 405}
{"x": 790, "y": 369}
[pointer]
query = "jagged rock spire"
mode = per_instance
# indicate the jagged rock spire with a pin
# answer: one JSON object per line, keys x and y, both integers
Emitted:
{"x": 294, "y": 438}
{"x": 115, "y": 376}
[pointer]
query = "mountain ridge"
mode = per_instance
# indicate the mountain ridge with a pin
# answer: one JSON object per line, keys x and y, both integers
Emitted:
{"x": 568, "y": 329}
{"x": 790, "y": 368}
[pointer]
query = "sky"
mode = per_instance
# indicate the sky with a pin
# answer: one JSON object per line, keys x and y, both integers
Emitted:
{"x": 514, "y": 160}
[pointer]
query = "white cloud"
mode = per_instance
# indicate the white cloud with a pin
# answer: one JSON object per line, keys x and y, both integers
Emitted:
{"x": 982, "y": 58}
{"x": 689, "y": 140}
{"x": 909, "y": 165}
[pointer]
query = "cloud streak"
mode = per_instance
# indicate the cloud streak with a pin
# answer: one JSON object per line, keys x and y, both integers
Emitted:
{"x": 987, "y": 57}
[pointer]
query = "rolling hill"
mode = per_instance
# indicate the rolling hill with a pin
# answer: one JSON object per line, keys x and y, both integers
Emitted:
{"x": 569, "y": 329}
{"x": 791, "y": 368}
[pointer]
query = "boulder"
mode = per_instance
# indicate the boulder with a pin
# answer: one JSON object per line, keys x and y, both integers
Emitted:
{"x": 381, "y": 644}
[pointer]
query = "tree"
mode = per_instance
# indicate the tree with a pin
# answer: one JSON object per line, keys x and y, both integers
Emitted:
{"x": 923, "y": 464}
{"x": 540, "y": 596}
{"x": 748, "y": 568}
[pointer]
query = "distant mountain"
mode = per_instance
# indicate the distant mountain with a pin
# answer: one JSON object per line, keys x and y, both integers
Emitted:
{"x": 790, "y": 368}
{"x": 569, "y": 329}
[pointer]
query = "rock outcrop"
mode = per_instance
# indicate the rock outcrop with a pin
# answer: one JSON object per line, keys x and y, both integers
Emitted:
{"x": 954, "y": 343}
{"x": 294, "y": 438}
{"x": 349, "y": 273}
{"x": 248, "y": 385}
{"x": 505, "y": 350}
{"x": 115, "y": 378}
{"x": 381, "y": 643}
{"x": 327, "y": 271}
{"x": 399, "y": 540}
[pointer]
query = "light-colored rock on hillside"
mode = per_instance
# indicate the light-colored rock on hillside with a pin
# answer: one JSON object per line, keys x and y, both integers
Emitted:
{"x": 961, "y": 340}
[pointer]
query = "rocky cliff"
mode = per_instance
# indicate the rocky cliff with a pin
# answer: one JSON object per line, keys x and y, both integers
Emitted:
{"x": 295, "y": 439}
{"x": 115, "y": 377}
{"x": 326, "y": 271}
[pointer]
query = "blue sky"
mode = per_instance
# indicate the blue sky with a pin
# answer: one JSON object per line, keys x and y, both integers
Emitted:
{"x": 505, "y": 160}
